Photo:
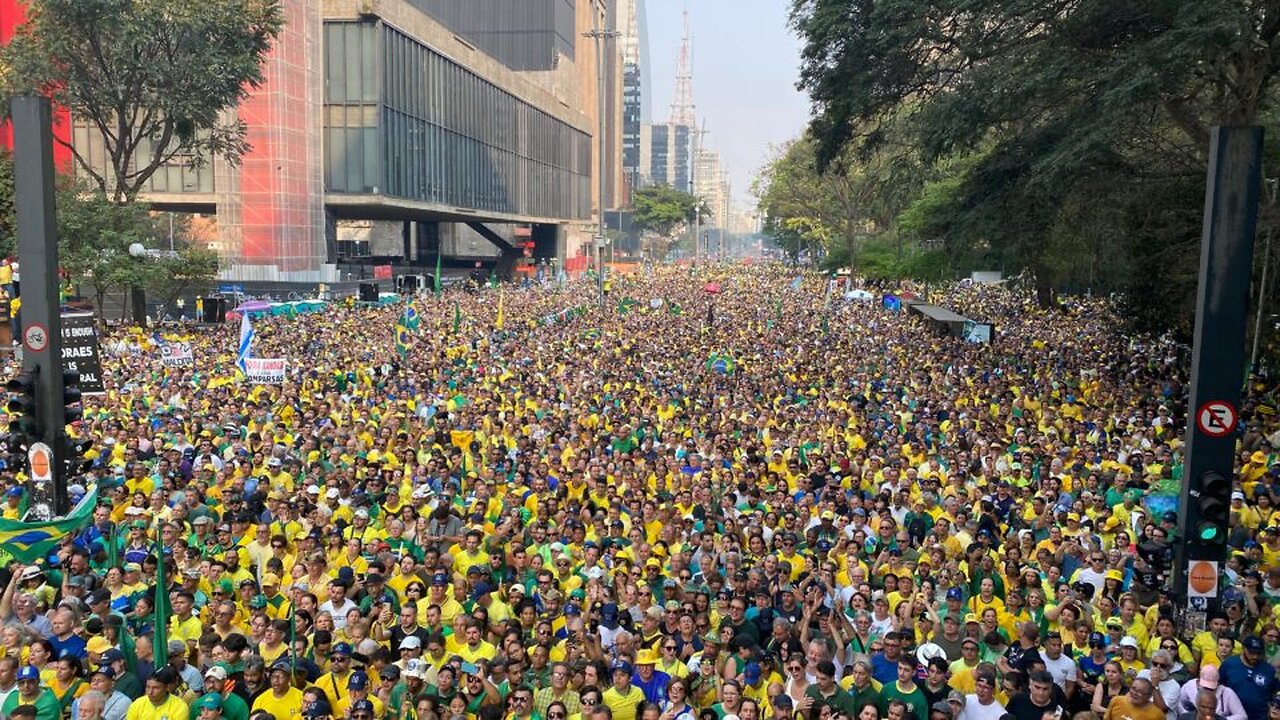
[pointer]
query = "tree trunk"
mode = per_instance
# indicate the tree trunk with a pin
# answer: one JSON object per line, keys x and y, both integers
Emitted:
{"x": 1044, "y": 293}
{"x": 138, "y": 301}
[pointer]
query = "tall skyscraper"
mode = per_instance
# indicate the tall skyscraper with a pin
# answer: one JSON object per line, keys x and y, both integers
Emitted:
{"x": 710, "y": 185}
{"x": 632, "y": 36}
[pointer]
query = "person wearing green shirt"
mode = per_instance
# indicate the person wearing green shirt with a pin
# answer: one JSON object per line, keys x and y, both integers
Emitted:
{"x": 412, "y": 684}
{"x": 207, "y": 707}
{"x": 30, "y": 693}
{"x": 216, "y": 681}
{"x": 906, "y": 690}
{"x": 825, "y": 692}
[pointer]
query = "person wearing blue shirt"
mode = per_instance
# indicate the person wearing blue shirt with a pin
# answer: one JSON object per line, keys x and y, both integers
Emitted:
{"x": 1253, "y": 679}
{"x": 884, "y": 665}
{"x": 653, "y": 683}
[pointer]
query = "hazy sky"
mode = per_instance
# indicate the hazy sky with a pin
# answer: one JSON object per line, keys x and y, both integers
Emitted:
{"x": 745, "y": 63}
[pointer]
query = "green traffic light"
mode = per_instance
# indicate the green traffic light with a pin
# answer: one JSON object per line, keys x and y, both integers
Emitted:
{"x": 1208, "y": 532}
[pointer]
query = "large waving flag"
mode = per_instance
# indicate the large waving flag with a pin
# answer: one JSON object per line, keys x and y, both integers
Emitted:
{"x": 245, "y": 350}
{"x": 721, "y": 363}
{"x": 407, "y": 321}
{"x": 31, "y": 541}
{"x": 411, "y": 319}
{"x": 402, "y": 339}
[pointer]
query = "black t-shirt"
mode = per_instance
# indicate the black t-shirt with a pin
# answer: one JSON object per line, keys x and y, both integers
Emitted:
{"x": 1021, "y": 707}
{"x": 398, "y": 634}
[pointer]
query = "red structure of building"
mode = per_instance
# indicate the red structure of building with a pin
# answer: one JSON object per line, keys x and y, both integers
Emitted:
{"x": 12, "y": 14}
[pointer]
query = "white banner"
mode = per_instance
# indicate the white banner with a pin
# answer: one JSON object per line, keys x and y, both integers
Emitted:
{"x": 265, "y": 371}
{"x": 176, "y": 354}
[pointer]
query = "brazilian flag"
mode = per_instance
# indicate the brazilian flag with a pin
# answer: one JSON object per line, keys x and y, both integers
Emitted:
{"x": 410, "y": 318}
{"x": 402, "y": 339}
{"x": 626, "y": 305}
{"x": 674, "y": 308}
{"x": 721, "y": 364}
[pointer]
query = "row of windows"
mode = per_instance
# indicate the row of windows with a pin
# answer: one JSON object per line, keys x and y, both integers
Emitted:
{"x": 521, "y": 34}
{"x": 436, "y": 132}
{"x": 176, "y": 176}
{"x": 430, "y": 163}
{"x": 425, "y": 85}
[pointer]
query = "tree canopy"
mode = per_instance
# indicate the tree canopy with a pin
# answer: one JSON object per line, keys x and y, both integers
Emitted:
{"x": 1067, "y": 138}
{"x": 153, "y": 80}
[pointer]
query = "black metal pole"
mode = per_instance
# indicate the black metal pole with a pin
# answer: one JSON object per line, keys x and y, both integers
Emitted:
{"x": 41, "y": 333}
{"x": 1218, "y": 360}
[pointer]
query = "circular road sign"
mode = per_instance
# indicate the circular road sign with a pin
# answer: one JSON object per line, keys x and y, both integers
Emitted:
{"x": 1217, "y": 418}
{"x": 35, "y": 337}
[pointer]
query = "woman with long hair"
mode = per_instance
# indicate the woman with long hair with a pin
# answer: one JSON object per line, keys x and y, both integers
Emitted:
{"x": 1110, "y": 685}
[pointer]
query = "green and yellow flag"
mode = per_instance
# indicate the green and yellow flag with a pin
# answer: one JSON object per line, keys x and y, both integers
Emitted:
{"x": 31, "y": 541}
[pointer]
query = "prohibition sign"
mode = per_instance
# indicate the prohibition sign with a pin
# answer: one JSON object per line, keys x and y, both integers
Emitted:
{"x": 36, "y": 337}
{"x": 1216, "y": 418}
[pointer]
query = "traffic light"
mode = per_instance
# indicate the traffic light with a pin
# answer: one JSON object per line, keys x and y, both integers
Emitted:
{"x": 71, "y": 397}
{"x": 76, "y": 463}
{"x": 23, "y": 423}
{"x": 1213, "y": 512}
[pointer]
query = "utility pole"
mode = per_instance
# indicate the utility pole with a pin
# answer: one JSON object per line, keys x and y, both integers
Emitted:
{"x": 1217, "y": 364}
{"x": 41, "y": 332}
{"x": 601, "y": 35}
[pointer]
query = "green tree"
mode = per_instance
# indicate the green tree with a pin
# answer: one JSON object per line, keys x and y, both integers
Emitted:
{"x": 663, "y": 211}
{"x": 1064, "y": 138}
{"x": 95, "y": 236}
{"x": 835, "y": 209}
{"x": 153, "y": 81}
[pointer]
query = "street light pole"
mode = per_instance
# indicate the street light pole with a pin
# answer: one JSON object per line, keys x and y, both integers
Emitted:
{"x": 600, "y": 35}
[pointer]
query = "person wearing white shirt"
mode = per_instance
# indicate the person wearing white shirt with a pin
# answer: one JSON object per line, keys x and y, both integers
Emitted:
{"x": 1059, "y": 665}
{"x": 338, "y": 605}
{"x": 1167, "y": 689}
{"x": 981, "y": 704}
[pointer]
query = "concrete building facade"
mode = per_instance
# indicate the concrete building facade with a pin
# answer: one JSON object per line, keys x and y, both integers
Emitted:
{"x": 437, "y": 120}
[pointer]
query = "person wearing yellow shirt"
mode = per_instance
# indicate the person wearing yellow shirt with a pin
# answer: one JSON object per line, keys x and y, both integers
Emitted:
{"x": 283, "y": 700}
{"x": 1128, "y": 660}
{"x": 1204, "y": 646}
{"x": 360, "y": 529}
{"x": 470, "y": 554}
{"x": 357, "y": 693}
{"x": 12, "y": 499}
{"x": 184, "y": 625}
{"x": 475, "y": 646}
{"x": 351, "y": 557}
{"x": 158, "y": 703}
{"x": 622, "y": 698}
{"x": 334, "y": 682}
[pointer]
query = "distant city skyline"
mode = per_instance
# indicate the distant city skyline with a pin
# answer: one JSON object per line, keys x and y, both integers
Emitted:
{"x": 745, "y": 66}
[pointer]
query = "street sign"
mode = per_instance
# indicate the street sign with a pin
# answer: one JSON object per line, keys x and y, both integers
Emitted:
{"x": 40, "y": 458}
{"x": 1202, "y": 579}
{"x": 35, "y": 337}
{"x": 1216, "y": 418}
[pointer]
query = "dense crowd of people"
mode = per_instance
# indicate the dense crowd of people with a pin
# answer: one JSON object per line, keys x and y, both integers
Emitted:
{"x": 723, "y": 494}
